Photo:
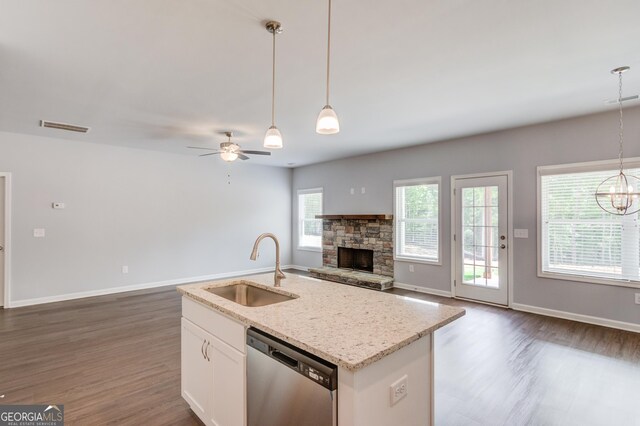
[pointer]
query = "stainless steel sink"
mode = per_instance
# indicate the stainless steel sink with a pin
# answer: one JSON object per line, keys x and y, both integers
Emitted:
{"x": 245, "y": 294}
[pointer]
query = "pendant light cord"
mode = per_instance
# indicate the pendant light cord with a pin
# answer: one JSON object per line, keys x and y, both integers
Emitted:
{"x": 273, "y": 83}
{"x": 621, "y": 140}
{"x": 328, "y": 51}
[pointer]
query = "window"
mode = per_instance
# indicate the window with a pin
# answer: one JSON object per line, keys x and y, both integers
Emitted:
{"x": 578, "y": 240}
{"x": 309, "y": 228}
{"x": 417, "y": 219}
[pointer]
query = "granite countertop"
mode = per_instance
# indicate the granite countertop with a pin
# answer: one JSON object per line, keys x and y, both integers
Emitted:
{"x": 348, "y": 326}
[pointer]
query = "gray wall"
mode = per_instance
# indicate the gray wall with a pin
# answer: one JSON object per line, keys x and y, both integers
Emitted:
{"x": 520, "y": 150}
{"x": 166, "y": 216}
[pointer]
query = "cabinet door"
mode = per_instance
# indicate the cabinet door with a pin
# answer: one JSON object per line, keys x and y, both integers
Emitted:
{"x": 197, "y": 370}
{"x": 229, "y": 383}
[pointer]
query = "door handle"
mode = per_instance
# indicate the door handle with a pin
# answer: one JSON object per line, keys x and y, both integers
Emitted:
{"x": 1, "y": 248}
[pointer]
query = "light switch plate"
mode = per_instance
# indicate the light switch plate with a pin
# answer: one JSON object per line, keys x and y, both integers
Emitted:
{"x": 38, "y": 232}
{"x": 520, "y": 233}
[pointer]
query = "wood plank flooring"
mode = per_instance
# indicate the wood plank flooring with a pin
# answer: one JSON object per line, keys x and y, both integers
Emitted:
{"x": 116, "y": 360}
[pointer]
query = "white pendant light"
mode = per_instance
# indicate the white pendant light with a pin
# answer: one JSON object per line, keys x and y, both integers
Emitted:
{"x": 619, "y": 194}
{"x": 328, "y": 123}
{"x": 273, "y": 138}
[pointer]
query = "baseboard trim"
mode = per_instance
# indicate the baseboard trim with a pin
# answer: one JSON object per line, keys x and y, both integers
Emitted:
{"x": 419, "y": 289}
{"x": 134, "y": 287}
{"x": 296, "y": 267}
{"x": 627, "y": 326}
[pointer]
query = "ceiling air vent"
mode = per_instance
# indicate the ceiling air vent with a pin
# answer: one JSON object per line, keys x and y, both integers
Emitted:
{"x": 64, "y": 126}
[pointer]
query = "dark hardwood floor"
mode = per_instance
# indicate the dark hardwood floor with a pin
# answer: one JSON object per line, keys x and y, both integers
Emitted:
{"x": 116, "y": 360}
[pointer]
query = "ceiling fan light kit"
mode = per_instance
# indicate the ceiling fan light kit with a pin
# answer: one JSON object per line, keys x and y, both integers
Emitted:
{"x": 327, "y": 123}
{"x": 230, "y": 151}
{"x": 273, "y": 137}
{"x": 619, "y": 194}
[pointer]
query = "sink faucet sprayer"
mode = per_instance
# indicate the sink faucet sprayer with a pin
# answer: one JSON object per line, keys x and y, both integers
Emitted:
{"x": 279, "y": 275}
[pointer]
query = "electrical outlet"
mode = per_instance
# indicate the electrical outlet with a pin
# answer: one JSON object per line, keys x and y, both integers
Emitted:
{"x": 125, "y": 269}
{"x": 38, "y": 232}
{"x": 637, "y": 298}
{"x": 411, "y": 269}
{"x": 398, "y": 389}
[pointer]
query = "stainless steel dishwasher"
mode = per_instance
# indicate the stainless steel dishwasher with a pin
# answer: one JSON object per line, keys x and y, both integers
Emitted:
{"x": 287, "y": 386}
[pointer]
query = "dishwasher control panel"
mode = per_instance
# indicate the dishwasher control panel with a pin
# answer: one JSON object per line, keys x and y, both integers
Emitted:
{"x": 315, "y": 375}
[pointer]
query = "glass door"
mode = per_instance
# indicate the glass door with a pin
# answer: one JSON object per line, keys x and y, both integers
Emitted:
{"x": 480, "y": 238}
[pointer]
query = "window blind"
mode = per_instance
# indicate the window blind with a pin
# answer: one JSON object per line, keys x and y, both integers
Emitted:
{"x": 310, "y": 228}
{"x": 578, "y": 237}
{"x": 417, "y": 221}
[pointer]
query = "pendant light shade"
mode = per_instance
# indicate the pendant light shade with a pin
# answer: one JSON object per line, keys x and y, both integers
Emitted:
{"x": 619, "y": 194}
{"x": 327, "y": 123}
{"x": 273, "y": 137}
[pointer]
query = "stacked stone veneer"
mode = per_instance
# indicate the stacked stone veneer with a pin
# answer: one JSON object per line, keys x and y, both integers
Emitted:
{"x": 374, "y": 234}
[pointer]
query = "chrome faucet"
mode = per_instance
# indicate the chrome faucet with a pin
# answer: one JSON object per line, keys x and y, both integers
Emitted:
{"x": 279, "y": 275}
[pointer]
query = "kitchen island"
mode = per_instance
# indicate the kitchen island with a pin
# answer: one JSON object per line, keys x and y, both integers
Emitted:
{"x": 381, "y": 344}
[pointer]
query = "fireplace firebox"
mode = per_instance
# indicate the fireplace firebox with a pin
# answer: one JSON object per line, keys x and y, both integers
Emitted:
{"x": 357, "y": 259}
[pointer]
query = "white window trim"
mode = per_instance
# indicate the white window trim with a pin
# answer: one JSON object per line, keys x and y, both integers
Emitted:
{"x": 299, "y": 193}
{"x": 590, "y": 166}
{"x": 411, "y": 182}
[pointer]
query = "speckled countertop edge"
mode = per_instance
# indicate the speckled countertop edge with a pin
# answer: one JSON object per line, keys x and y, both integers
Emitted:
{"x": 362, "y": 347}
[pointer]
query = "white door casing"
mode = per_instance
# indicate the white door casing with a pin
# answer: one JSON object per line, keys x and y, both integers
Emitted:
{"x": 2, "y": 244}
{"x": 481, "y": 237}
{"x": 5, "y": 239}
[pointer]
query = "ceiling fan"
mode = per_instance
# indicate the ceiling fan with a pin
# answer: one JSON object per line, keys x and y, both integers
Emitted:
{"x": 230, "y": 151}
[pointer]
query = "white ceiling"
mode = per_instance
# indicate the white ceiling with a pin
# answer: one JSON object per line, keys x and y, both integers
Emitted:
{"x": 164, "y": 74}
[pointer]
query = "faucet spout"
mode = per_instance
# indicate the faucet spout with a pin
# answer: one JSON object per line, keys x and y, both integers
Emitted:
{"x": 279, "y": 275}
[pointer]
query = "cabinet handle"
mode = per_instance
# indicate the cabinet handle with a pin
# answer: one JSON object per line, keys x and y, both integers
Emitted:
{"x": 206, "y": 351}
{"x": 202, "y": 349}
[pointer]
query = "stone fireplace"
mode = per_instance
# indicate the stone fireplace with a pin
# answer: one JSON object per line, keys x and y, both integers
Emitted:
{"x": 357, "y": 250}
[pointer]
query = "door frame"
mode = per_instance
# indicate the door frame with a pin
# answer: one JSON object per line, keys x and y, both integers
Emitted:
{"x": 509, "y": 175}
{"x": 7, "y": 238}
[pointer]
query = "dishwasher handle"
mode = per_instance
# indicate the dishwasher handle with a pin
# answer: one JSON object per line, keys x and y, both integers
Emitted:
{"x": 284, "y": 358}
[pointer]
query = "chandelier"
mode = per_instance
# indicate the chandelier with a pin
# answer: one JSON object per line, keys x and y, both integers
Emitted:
{"x": 619, "y": 194}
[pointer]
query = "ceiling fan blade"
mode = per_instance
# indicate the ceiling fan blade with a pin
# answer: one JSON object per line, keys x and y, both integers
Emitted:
{"x": 199, "y": 147}
{"x": 242, "y": 156}
{"x": 211, "y": 153}
{"x": 256, "y": 152}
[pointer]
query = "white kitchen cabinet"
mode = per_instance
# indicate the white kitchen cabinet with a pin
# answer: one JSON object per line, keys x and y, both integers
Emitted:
{"x": 229, "y": 377}
{"x": 197, "y": 370}
{"x": 213, "y": 371}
